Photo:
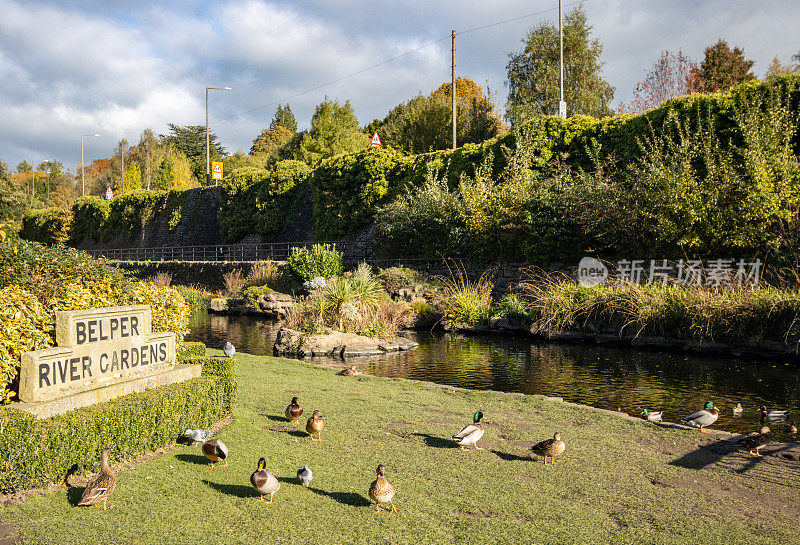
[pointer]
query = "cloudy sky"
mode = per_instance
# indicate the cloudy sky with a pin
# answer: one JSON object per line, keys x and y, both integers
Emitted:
{"x": 116, "y": 67}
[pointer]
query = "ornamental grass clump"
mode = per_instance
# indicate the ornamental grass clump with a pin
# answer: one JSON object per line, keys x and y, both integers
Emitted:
{"x": 467, "y": 301}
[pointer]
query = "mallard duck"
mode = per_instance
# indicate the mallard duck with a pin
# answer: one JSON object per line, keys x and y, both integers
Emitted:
{"x": 551, "y": 447}
{"x": 215, "y": 450}
{"x": 705, "y": 417}
{"x": 773, "y": 415}
{"x": 757, "y": 441}
{"x": 305, "y": 475}
{"x": 102, "y": 486}
{"x": 314, "y": 425}
{"x": 654, "y": 416}
{"x": 382, "y": 491}
{"x": 293, "y": 412}
{"x": 348, "y": 372}
{"x": 738, "y": 410}
{"x": 264, "y": 481}
{"x": 470, "y": 433}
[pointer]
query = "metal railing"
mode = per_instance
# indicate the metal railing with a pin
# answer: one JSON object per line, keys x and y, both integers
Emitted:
{"x": 273, "y": 251}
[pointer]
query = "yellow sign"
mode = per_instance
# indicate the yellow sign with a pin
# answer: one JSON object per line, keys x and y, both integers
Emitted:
{"x": 216, "y": 170}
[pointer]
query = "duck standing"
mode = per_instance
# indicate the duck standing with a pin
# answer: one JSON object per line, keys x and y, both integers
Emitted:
{"x": 702, "y": 418}
{"x": 757, "y": 441}
{"x": 348, "y": 372}
{"x": 264, "y": 481}
{"x": 382, "y": 491}
{"x": 314, "y": 425}
{"x": 294, "y": 411}
{"x": 215, "y": 450}
{"x": 102, "y": 486}
{"x": 470, "y": 433}
{"x": 550, "y": 448}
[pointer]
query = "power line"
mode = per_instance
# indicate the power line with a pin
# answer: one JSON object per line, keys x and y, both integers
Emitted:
{"x": 386, "y": 61}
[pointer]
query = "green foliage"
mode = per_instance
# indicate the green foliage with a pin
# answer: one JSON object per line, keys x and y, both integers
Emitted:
{"x": 284, "y": 118}
{"x": 191, "y": 141}
{"x": 318, "y": 260}
{"x": 395, "y": 278}
{"x": 349, "y": 188}
{"x": 224, "y": 370}
{"x": 191, "y": 349}
{"x": 38, "y": 452}
{"x": 132, "y": 211}
{"x": 271, "y": 140}
{"x": 261, "y": 201}
{"x": 513, "y": 307}
{"x": 533, "y": 73}
{"x": 89, "y": 216}
{"x": 253, "y": 293}
{"x": 12, "y": 200}
{"x": 467, "y": 301}
{"x": 194, "y": 296}
{"x": 46, "y": 225}
{"x": 334, "y": 130}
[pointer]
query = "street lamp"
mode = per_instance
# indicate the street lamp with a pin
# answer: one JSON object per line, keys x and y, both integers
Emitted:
{"x": 562, "y": 106}
{"x": 83, "y": 176}
{"x": 208, "y": 149}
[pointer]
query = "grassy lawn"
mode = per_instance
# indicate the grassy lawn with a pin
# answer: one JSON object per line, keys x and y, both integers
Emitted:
{"x": 618, "y": 482}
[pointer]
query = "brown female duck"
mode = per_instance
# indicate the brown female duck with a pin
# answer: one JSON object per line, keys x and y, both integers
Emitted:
{"x": 550, "y": 448}
{"x": 102, "y": 486}
{"x": 215, "y": 450}
{"x": 314, "y": 425}
{"x": 382, "y": 491}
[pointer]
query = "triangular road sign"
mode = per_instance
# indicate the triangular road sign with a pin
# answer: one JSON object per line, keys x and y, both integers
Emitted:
{"x": 376, "y": 141}
{"x": 217, "y": 168}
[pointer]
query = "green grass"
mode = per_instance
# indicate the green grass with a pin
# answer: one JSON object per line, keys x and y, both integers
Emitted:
{"x": 618, "y": 482}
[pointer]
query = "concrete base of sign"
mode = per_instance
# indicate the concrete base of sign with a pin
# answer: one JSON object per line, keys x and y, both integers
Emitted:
{"x": 46, "y": 409}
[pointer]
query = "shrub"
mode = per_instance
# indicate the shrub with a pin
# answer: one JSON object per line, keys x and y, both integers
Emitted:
{"x": 38, "y": 452}
{"x": 467, "y": 301}
{"x": 129, "y": 213}
{"x": 46, "y": 225}
{"x": 234, "y": 283}
{"x": 513, "y": 307}
{"x": 89, "y": 218}
{"x": 395, "y": 278}
{"x": 253, "y": 293}
{"x": 194, "y": 296}
{"x": 224, "y": 370}
{"x": 319, "y": 260}
{"x": 191, "y": 349}
{"x": 263, "y": 273}
{"x": 162, "y": 279}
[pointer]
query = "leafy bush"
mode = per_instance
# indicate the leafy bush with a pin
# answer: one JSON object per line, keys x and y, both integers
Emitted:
{"x": 38, "y": 452}
{"x": 224, "y": 370}
{"x": 395, "y": 278}
{"x": 319, "y": 260}
{"x": 46, "y": 225}
{"x": 89, "y": 217}
{"x": 191, "y": 349}
{"x": 513, "y": 307}
{"x": 194, "y": 296}
{"x": 132, "y": 211}
{"x": 259, "y": 201}
{"x": 253, "y": 293}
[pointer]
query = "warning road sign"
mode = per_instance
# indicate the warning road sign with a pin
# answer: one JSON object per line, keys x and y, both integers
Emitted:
{"x": 376, "y": 141}
{"x": 216, "y": 170}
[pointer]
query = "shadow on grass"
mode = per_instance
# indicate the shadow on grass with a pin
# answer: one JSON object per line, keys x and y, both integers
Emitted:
{"x": 192, "y": 459}
{"x": 436, "y": 441}
{"x": 509, "y": 457}
{"x": 275, "y": 417}
{"x": 352, "y": 499}
{"x": 238, "y": 490}
{"x": 74, "y": 494}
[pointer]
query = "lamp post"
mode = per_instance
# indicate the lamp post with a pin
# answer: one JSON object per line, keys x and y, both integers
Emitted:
{"x": 208, "y": 148}
{"x": 562, "y": 106}
{"x": 83, "y": 175}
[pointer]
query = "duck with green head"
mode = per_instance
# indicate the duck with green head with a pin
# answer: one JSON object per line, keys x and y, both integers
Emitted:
{"x": 652, "y": 416}
{"x": 772, "y": 415}
{"x": 702, "y": 418}
{"x": 264, "y": 481}
{"x": 470, "y": 433}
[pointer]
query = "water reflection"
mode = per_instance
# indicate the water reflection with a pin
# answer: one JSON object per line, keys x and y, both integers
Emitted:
{"x": 603, "y": 377}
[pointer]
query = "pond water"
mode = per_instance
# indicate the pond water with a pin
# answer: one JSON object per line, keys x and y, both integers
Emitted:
{"x": 610, "y": 378}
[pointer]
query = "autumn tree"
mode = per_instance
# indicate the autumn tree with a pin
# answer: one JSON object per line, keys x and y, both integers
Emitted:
{"x": 723, "y": 67}
{"x": 671, "y": 76}
{"x": 533, "y": 72}
{"x": 777, "y": 69}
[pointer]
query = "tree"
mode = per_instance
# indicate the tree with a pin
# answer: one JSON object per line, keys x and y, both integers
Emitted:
{"x": 334, "y": 130}
{"x": 191, "y": 141}
{"x": 271, "y": 140}
{"x": 671, "y": 76}
{"x": 723, "y": 67}
{"x": 425, "y": 123}
{"x": 284, "y": 118}
{"x": 147, "y": 145}
{"x": 777, "y": 69}
{"x": 533, "y": 72}
{"x": 24, "y": 167}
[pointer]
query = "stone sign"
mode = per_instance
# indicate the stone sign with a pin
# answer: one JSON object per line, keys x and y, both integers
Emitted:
{"x": 97, "y": 348}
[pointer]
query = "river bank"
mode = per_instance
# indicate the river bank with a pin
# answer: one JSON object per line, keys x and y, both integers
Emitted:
{"x": 620, "y": 480}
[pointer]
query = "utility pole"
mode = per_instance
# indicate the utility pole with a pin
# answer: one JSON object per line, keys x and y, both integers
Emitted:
{"x": 562, "y": 106}
{"x": 453, "y": 86}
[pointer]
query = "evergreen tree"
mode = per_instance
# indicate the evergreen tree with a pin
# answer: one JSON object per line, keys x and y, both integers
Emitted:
{"x": 284, "y": 118}
{"x": 723, "y": 67}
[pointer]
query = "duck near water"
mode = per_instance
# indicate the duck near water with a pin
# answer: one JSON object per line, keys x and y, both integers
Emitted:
{"x": 315, "y": 424}
{"x": 757, "y": 441}
{"x": 550, "y": 448}
{"x": 348, "y": 372}
{"x": 470, "y": 433}
{"x": 294, "y": 411}
{"x": 773, "y": 415}
{"x": 652, "y": 416}
{"x": 382, "y": 491}
{"x": 264, "y": 481}
{"x": 738, "y": 410}
{"x": 702, "y": 418}
{"x": 102, "y": 486}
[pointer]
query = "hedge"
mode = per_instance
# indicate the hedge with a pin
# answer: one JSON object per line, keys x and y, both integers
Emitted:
{"x": 259, "y": 201}
{"x": 222, "y": 367}
{"x": 38, "y": 452}
{"x": 89, "y": 218}
{"x": 46, "y": 225}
